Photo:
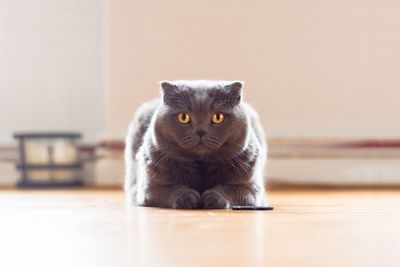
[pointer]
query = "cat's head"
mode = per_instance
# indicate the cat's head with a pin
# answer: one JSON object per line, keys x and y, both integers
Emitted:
{"x": 202, "y": 118}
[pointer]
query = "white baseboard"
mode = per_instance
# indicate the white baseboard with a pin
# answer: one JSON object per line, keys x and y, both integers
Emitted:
{"x": 337, "y": 172}
{"x": 109, "y": 172}
{"x": 8, "y": 174}
{"x": 292, "y": 160}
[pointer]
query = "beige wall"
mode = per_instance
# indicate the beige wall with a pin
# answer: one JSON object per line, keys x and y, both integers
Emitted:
{"x": 52, "y": 66}
{"x": 310, "y": 66}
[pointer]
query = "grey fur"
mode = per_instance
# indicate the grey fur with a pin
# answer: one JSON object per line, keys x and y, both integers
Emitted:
{"x": 169, "y": 165}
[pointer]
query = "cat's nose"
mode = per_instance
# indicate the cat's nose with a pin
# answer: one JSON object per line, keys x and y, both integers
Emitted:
{"x": 201, "y": 133}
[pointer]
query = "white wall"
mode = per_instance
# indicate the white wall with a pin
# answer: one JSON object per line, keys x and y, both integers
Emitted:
{"x": 311, "y": 66}
{"x": 328, "y": 67}
{"x": 52, "y": 71}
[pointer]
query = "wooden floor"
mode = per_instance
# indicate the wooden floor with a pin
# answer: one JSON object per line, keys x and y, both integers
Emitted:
{"x": 94, "y": 228}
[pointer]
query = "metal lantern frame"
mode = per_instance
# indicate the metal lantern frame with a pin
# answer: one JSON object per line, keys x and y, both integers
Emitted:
{"x": 24, "y": 167}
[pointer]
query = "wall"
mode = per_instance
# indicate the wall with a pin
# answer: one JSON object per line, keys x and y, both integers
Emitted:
{"x": 319, "y": 67}
{"x": 52, "y": 66}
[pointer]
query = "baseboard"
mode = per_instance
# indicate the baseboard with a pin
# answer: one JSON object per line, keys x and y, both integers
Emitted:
{"x": 328, "y": 161}
{"x": 335, "y": 172}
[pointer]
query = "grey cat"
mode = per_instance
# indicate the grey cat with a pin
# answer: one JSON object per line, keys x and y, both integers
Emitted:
{"x": 199, "y": 146}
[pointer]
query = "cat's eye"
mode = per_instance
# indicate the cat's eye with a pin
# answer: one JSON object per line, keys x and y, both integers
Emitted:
{"x": 184, "y": 118}
{"x": 218, "y": 118}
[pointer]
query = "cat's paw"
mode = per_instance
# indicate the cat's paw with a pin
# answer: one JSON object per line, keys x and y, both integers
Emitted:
{"x": 189, "y": 199}
{"x": 214, "y": 200}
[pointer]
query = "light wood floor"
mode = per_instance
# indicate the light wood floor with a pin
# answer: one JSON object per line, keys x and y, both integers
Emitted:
{"x": 94, "y": 228}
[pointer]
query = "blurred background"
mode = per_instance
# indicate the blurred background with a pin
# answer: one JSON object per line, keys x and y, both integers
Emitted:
{"x": 324, "y": 76}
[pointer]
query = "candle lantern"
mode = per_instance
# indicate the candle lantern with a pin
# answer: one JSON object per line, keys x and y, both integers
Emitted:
{"x": 49, "y": 159}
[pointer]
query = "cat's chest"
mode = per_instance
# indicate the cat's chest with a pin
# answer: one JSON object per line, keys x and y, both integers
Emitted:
{"x": 207, "y": 174}
{"x": 202, "y": 175}
{"x": 198, "y": 175}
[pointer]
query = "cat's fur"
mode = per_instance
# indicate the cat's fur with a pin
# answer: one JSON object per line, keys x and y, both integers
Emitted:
{"x": 170, "y": 165}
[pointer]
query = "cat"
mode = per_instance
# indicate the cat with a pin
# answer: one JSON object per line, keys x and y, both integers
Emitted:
{"x": 198, "y": 146}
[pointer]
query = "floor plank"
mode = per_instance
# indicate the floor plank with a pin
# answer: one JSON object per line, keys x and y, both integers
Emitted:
{"x": 95, "y": 228}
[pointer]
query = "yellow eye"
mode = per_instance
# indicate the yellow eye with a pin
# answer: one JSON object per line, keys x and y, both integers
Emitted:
{"x": 184, "y": 118}
{"x": 218, "y": 118}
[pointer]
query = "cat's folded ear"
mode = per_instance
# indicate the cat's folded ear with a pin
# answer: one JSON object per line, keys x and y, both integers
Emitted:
{"x": 234, "y": 92}
{"x": 168, "y": 91}
{"x": 167, "y": 86}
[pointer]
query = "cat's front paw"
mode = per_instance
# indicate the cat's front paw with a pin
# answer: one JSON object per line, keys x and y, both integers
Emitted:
{"x": 187, "y": 200}
{"x": 214, "y": 200}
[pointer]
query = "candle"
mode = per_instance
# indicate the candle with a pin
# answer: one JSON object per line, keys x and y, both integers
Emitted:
{"x": 64, "y": 152}
{"x": 37, "y": 152}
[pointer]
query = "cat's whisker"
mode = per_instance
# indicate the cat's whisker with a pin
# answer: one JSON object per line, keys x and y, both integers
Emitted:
{"x": 167, "y": 154}
{"x": 237, "y": 159}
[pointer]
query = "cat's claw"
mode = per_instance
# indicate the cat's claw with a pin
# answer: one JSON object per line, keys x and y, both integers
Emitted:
{"x": 187, "y": 200}
{"x": 214, "y": 200}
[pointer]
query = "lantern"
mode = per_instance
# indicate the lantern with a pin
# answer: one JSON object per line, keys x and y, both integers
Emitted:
{"x": 49, "y": 159}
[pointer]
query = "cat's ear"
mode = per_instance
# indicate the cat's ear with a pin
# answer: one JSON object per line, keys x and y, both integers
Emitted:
{"x": 167, "y": 86}
{"x": 168, "y": 91}
{"x": 234, "y": 92}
